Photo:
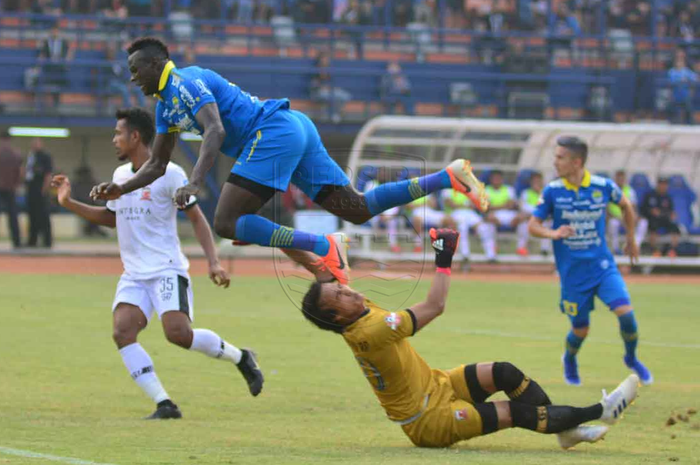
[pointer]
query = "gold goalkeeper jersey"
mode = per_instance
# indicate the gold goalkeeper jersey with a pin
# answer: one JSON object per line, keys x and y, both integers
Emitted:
{"x": 399, "y": 376}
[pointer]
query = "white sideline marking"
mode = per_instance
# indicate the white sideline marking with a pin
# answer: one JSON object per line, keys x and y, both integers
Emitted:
{"x": 55, "y": 458}
{"x": 488, "y": 332}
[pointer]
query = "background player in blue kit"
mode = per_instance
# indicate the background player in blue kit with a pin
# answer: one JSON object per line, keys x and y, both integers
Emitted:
{"x": 577, "y": 202}
{"x": 273, "y": 146}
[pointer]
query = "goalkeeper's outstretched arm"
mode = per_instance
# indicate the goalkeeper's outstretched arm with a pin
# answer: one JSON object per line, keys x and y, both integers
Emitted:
{"x": 444, "y": 241}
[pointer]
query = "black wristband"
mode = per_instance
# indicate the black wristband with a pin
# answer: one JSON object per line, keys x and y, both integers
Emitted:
{"x": 443, "y": 259}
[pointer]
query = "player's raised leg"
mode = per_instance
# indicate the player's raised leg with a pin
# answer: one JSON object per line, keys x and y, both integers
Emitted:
{"x": 128, "y": 321}
{"x": 177, "y": 328}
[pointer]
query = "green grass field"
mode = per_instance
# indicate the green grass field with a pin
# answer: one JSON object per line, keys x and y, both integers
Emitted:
{"x": 65, "y": 392}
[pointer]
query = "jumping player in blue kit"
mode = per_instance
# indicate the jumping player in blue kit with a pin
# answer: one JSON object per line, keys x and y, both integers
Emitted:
{"x": 273, "y": 146}
{"x": 577, "y": 202}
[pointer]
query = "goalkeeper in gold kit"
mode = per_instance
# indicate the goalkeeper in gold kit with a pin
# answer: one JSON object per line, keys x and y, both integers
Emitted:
{"x": 437, "y": 408}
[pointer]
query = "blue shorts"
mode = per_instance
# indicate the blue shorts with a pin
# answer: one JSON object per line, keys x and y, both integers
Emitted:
{"x": 578, "y": 303}
{"x": 284, "y": 148}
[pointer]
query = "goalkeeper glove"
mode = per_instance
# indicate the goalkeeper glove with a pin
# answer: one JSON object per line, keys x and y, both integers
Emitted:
{"x": 444, "y": 241}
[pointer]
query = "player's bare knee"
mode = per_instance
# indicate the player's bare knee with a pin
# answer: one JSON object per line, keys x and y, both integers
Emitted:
{"x": 622, "y": 310}
{"x": 505, "y": 418}
{"x": 180, "y": 335}
{"x": 225, "y": 227}
{"x": 357, "y": 217}
{"x": 124, "y": 336}
{"x": 581, "y": 332}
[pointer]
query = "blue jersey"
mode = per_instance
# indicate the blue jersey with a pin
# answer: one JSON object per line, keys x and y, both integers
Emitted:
{"x": 583, "y": 258}
{"x": 182, "y": 92}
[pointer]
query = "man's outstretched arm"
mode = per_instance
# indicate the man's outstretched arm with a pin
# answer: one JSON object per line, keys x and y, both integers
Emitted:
{"x": 92, "y": 213}
{"x": 150, "y": 171}
{"x": 214, "y": 134}
{"x": 444, "y": 241}
{"x": 155, "y": 165}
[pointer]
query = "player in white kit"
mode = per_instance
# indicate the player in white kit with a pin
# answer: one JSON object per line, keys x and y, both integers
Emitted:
{"x": 155, "y": 277}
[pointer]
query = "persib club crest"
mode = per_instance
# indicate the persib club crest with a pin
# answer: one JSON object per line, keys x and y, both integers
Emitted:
{"x": 597, "y": 196}
{"x": 146, "y": 194}
{"x": 393, "y": 320}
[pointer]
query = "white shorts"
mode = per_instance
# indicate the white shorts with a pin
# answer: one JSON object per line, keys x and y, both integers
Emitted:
{"x": 168, "y": 292}
{"x": 431, "y": 218}
{"x": 466, "y": 218}
{"x": 505, "y": 217}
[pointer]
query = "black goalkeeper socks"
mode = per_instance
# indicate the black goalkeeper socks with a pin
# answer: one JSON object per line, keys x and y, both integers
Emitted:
{"x": 552, "y": 418}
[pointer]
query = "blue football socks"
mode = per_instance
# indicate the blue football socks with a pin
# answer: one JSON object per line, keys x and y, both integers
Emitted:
{"x": 393, "y": 194}
{"x": 573, "y": 344}
{"x": 258, "y": 230}
{"x": 628, "y": 331}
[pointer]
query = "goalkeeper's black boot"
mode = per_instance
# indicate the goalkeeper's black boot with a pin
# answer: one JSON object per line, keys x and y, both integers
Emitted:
{"x": 249, "y": 368}
{"x": 166, "y": 410}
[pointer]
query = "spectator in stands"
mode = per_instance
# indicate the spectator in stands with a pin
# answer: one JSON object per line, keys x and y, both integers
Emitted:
{"x": 617, "y": 17}
{"x": 244, "y": 11}
{"x": 659, "y": 211}
{"x": 264, "y": 9}
{"x": 139, "y": 7}
{"x": 115, "y": 9}
{"x": 54, "y": 53}
{"x": 503, "y": 211}
{"x": 312, "y": 12}
{"x": 356, "y": 14}
{"x": 529, "y": 198}
{"x": 83, "y": 7}
{"x": 639, "y": 19}
{"x": 396, "y": 89}
{"x": 684, "y": 28}
{"x": 118, "y": 79}
{"x": 615, "y": 215}
{"x": 402, "y": 12}
{"x": 11, "y": 172}
{"x": 38, "y": 182}
{"x": 454, "y": 16}
{"x": 565, "y": 28}
{"x": 322, "y": 88}
{"x": 426, "y": 12}
{"x": 45, "y": 7}
{"x": 458, "y": 207}
{"x": 683, "y": 82}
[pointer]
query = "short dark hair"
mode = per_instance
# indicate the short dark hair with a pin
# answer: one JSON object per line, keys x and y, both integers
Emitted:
{"x": 154, "y": 47}
{"x": 138, "y": 119}
{"x": 535, "y": 174}
{"x": 324, "y": 318}
{"x": 5, "y": 134}
{"x": 495, "y": 173}
{"x": 575, "y": 145}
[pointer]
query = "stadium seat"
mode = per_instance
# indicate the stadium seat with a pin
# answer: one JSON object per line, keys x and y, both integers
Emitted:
{"x": 641, "y": 185}
{"x": 366, "y": 174}
{"x": 683, "y": 199}
{"x": 522, "y": 181}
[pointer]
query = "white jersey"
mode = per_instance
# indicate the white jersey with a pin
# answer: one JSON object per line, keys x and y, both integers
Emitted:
{"x": 147, "y": 224}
